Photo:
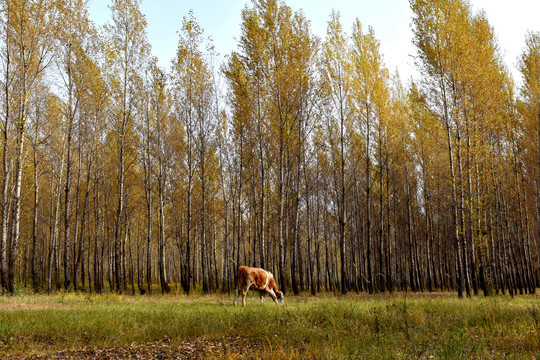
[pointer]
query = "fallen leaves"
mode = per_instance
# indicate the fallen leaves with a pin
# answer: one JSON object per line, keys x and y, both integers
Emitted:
{"x": 197, "y": 348}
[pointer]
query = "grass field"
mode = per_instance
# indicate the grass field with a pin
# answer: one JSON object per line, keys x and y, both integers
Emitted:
{"x": 398, "y": 326}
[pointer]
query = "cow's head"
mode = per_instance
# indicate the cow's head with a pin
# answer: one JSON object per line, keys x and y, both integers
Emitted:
{"x": 280, "y": 296}
{"x": 273, "y": 286}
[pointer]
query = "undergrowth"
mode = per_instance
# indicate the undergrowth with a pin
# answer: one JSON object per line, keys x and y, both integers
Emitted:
{"x": 327, "y": 327}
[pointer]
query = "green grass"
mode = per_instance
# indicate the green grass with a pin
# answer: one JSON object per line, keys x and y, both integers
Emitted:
{"x": 354, "y": 326}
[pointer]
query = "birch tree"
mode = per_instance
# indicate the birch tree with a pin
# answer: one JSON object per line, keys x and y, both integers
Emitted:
{"x": 127, "y": 51}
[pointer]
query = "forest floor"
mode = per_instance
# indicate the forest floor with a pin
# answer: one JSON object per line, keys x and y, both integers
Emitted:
{"x": 397, "y": 326}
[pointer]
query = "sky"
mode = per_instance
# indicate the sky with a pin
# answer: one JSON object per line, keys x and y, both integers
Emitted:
{"x": 390, "y": 19}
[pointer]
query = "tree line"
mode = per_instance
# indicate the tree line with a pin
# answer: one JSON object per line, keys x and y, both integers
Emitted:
{"x": 298, "y": 154}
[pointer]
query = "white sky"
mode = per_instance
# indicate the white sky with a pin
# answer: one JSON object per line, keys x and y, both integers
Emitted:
{"x": 390, "y": 19}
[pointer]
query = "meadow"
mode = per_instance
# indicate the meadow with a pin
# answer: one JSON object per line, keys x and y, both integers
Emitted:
{"x": 399, "y": 326}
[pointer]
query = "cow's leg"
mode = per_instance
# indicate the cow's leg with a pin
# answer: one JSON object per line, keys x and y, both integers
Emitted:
{"x": 244, "y": 294}
{"x": 261, "y": 294}
{"x": 235, "y": 296}
{"x": 272, "y": 295}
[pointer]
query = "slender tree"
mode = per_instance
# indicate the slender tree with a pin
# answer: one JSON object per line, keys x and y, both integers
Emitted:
{"x": 128, "y": 51}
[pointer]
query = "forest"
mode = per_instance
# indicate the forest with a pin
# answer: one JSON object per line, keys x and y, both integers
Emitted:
{"x": 302, "y": 155}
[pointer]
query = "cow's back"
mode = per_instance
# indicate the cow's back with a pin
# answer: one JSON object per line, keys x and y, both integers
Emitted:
{"x": 258, "y": 278}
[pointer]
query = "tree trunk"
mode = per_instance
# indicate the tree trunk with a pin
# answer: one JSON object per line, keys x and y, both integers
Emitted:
{"x": 15, "y": 233}
{"x": 454, "y": 205}
{"x": 119, "y": 215}
{"x": 162, "y": 274}
{"x": 35, "y": 279}
{"x": 461, "y": 218}
{"x": 5, "y": 166}
{"x": 368, "y": 206}
{"x": 67, "y": 188}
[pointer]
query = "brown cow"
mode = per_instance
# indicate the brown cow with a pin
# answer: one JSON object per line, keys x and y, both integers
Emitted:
{"x": 257, "y": 279}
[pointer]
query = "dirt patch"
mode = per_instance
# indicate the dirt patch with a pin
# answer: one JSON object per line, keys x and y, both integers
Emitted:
{"x": 81, "y": 301}
{"x": 198, "y": 348}
{"x": 14, "y": 306}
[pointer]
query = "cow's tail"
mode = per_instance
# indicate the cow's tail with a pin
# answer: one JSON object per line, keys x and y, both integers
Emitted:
{"x": 236, "y": 272}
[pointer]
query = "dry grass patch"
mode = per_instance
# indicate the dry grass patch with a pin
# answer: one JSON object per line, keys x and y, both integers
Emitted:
{"x": 399, "y": 326}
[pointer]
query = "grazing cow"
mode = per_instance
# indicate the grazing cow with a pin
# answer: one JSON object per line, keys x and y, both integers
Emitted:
{"x": 257, "y": 279}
